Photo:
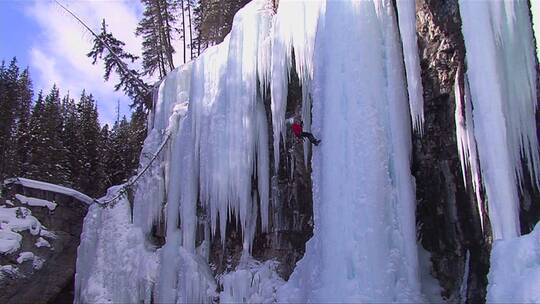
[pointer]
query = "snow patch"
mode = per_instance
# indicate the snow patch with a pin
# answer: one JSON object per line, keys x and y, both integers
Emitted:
{"x": 25, "y": 256}
{"x": 13, "y": 220}
{"x": 514, "y": 274}
{"x": 37, "y": 262}
{"x": 48, "y": 234}
{"x": 10, "y": 241}
{"x": 251, "y": 282}
{"x": 35, "y": 202}
{"x": 41, "y": 242}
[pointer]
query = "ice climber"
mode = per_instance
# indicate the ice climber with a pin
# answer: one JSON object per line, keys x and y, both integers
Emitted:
{"x": 297, "y": 129}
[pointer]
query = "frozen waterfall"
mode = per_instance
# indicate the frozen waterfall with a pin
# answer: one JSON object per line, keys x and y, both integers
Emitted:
{"x": 358, "y": 66}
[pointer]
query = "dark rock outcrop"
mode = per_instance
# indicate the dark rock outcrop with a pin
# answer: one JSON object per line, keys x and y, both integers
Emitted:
{"x": 447, "y": 214}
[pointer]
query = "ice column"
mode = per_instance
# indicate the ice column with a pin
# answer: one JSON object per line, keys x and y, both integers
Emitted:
{"x": 468, "y": 154}
{"x": 364, "y": 243}
{"x": 502, "y": 77}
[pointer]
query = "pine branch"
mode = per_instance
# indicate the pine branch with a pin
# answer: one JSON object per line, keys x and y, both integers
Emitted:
{"x": 146, "y": 90}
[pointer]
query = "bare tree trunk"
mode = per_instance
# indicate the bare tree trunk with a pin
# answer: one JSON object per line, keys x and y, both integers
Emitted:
{"x": 164, "y": 30}
{"x": 190, "y": 30}
{"x": 183, "y": 28}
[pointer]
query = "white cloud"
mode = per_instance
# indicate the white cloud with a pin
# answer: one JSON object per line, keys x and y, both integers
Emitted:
{"x": 59, "y": 55}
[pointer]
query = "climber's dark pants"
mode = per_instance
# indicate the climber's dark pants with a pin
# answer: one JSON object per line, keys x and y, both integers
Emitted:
{"x": 310, "y": 136}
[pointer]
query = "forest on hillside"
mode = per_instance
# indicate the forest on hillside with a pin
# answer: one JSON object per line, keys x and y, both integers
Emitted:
{"x": 59, "y": 139}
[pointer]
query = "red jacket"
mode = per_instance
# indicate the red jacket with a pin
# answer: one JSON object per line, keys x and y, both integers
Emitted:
{"x": 297, "y": 129}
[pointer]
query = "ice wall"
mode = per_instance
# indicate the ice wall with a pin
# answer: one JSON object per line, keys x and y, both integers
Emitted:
{"x": 114, "y": 263}
{"x": 363, "y": 192}
{"x": 217, "y": 150}
{"x": 358, "y": 65}
{"x": 502, "y": 77}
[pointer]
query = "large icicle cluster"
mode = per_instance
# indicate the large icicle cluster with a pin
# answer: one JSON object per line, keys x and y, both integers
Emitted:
{"x": 294, "y": 29}
{"x": 502, "y": 76}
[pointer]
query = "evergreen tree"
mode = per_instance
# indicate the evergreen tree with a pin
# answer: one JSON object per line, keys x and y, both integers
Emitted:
{"x": 182, "y": 30}
{"x": 190, "y": 4}
{"x": 156, "y": 28}
{"x": 71, "y": 140}
{"x": 120, "y": 151}
{"x": 49, "y": 158}
{"x": 38, "y": 133}
{"x": 91, "y": 175}
{"x": 137, "y": 127}
{"x": 111, "y": 50}
{"x": 22, "y": 132}
{"x": 213, "y": 20}
{"x": 9, "y": 91}
{"x": 104, "y": 150}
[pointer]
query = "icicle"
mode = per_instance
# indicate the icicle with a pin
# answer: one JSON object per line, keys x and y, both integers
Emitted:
{"x": 466, "y": 143}
{"x": 407, "y": 28}
{"x": 502, "y": 75}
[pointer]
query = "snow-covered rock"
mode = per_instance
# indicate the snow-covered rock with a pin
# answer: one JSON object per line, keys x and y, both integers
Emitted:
{"x": 36, "y": 202}
{"x": 37, "y": 259}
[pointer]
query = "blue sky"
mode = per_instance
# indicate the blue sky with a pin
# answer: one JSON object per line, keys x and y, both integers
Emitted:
{"x": 53, "y": 45}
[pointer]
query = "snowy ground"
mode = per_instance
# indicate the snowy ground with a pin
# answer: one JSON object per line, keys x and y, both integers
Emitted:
{"x": 514, "y": 276}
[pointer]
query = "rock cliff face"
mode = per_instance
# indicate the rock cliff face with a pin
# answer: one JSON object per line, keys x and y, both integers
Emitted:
{"x": 48, "y": 276}
{"x": 447, "y": 216}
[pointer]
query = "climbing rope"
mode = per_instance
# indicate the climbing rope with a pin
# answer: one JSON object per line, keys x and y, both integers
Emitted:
{"x": 128, "y": 186}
